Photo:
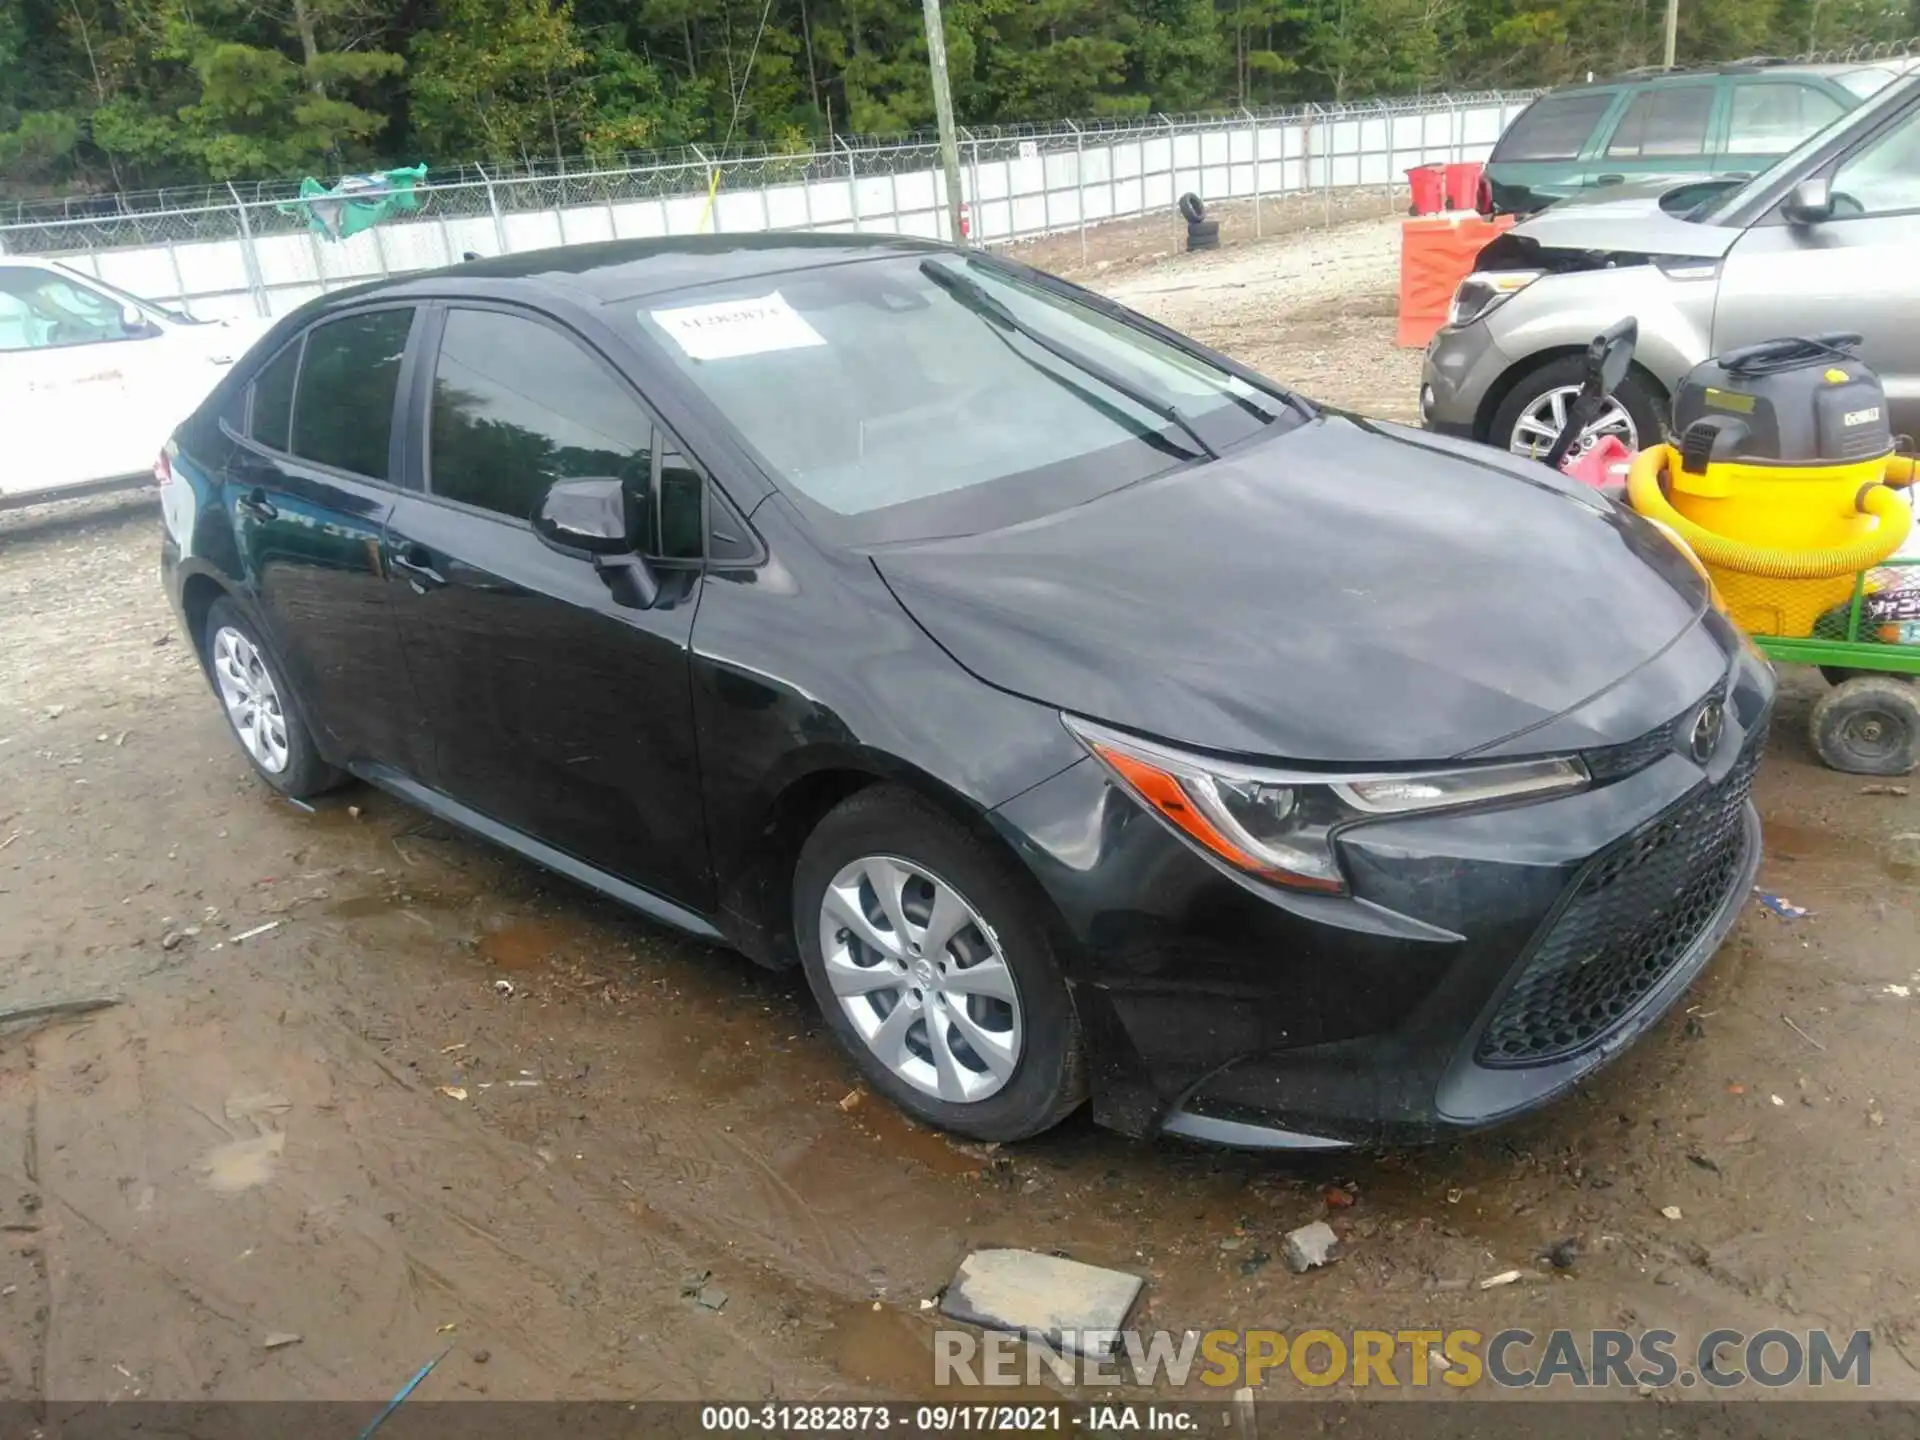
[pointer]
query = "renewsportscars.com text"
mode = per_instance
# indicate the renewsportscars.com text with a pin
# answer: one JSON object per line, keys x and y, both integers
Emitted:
{"x": 1510, "y": 1359}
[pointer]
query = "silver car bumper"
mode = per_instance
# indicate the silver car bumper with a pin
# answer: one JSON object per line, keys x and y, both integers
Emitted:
{"x": 1461, "y": 368}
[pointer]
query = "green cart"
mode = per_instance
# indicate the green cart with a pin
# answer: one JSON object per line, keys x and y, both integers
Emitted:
{"x": 1869, "y": 648}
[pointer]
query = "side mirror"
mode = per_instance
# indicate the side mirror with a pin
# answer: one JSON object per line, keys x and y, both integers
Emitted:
{"x": 134, "y": 323}
{"x": 596, "y": 517}
{"x": 1808, "y": 203}
{"x": 590, "y": 515}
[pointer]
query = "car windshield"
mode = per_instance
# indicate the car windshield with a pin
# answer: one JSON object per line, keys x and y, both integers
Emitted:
{"x": 1728, "y": 202}
{"x": 167, "y": 312}
{"x": 938, "y": 394}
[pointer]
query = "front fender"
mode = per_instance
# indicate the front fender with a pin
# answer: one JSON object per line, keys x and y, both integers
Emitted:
{"x": 1558, "y": 313}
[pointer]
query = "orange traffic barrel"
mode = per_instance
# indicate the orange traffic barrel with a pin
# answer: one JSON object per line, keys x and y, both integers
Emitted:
{"x": 1436, "y": 253}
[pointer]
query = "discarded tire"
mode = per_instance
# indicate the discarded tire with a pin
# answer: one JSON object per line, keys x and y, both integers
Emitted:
{"x": 1203, "y": 235}
{"x": 1191, "y": 210}
{"x": 1869, "y": 725}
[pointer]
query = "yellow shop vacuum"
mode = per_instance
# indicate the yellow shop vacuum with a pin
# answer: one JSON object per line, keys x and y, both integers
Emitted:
{"x": 1782, "y": 478}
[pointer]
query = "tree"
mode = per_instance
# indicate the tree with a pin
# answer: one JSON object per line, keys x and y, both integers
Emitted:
{"x": 103, "y": 94}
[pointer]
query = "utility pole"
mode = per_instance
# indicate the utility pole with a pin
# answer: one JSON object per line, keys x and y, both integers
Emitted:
{"x": 943, "y": 113}
{"x": 1673, "y": 28}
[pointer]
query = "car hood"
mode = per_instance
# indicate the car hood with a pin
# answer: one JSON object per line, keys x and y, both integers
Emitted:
{"x": 1346, "y": 592}
{"x": 1631, "y": 194}
{"x": 1628, "y": 221}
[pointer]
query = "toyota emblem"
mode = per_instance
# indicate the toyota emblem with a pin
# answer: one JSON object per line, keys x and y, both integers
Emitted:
{"x": 1707, "y": 728}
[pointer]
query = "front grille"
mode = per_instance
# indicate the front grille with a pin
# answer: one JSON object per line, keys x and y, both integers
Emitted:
{"x": 1616, "y": 762}
{"x": 1634, "y": 913}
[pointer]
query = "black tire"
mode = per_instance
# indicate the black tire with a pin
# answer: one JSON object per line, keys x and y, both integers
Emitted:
{"x": 1203, "y": 235}
{"x": 1048, "y": 1081}
{"x": 1636, "y": 397}
{"x": 305, "y": 773}
{"x": 1869, "y": 725}
{"x": 1191, "y": 208}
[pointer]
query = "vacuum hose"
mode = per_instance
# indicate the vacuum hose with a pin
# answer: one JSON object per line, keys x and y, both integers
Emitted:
{"x": 1895, "y": 519}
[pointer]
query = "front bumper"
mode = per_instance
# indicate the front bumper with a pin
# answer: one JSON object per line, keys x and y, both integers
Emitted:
{"x": 1457, "y": 378}
{"x": 1484, "y": 964}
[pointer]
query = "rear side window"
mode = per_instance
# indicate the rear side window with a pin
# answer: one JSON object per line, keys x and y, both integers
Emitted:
{"x": 1669, "y": 121}
{"x": 343, "y": 410}
{"x": 273, "y": 398}
{"x": 1554, "y": 128}
{"x": 1867, "y": 83}
{"x": 517, "y": 406}
{"x": 1771, "y": 119}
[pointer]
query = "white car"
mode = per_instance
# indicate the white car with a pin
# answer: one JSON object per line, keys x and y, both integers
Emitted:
{"x": 93, "y": 380}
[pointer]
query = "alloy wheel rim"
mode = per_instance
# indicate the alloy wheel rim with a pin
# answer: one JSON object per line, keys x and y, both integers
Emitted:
{"x": 252, "y": 700}
{"x": 1539, "y": 425}
{"x": 921, "y": 976}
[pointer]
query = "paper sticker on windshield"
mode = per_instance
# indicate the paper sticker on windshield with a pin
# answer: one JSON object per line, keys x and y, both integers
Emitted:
{"x": 737, "y": 327}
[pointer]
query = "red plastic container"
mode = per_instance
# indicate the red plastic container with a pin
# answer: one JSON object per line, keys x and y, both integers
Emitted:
{"x": 1463, "y": 186}
{"x": 1429, "y": 186}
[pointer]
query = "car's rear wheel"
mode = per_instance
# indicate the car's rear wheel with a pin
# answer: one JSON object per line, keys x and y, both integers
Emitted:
{"x": 930, "y": 957}
{"x": 1534, "y": 411}
{"x": 260, "y": 706}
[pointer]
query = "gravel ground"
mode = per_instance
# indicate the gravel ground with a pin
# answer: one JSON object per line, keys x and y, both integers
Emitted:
{"x": 447, "y": 1090}
{"x": 1316, "y": 313}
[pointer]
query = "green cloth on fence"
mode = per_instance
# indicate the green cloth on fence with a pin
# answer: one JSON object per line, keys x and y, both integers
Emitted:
{"x": 356, "y": 202}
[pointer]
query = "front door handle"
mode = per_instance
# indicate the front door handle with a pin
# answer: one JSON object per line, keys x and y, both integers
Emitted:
{"x": 415, "y": 561}
{"x": 255, "y": 505}
{"x": 1738, "y": 175}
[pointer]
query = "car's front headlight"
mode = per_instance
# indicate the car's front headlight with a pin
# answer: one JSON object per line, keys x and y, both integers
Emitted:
{"x": 1279, "y": 825}
{"x": 1485, "y": 290}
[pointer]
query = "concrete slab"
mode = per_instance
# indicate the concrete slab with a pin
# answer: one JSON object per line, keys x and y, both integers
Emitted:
{"x": 1022, "y": 1290}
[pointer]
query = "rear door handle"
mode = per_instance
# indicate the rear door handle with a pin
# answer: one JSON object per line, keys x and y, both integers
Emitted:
{"x": 1609, "y": 179}
{"x": 1738, "y": 175}
{"x": 415, "y": 561}
{"x": 255, "y": 505}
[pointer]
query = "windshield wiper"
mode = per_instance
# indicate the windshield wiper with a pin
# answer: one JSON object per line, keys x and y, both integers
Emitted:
{"x": 971, "y": 294}
{"x": 1120, "y": 315}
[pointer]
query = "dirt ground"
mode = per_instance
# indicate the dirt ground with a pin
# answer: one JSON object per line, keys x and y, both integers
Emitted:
{"x": 448, "y": 1099}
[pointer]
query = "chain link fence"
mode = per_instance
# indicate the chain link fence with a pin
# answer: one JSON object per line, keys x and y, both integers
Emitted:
{"x": 237, "y": 250}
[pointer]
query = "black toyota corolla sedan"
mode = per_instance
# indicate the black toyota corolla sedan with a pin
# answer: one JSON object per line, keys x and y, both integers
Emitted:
{"x": 1087, "y": 715}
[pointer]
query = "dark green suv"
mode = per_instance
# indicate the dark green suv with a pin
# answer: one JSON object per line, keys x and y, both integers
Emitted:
{"x": 1727, "y": 123}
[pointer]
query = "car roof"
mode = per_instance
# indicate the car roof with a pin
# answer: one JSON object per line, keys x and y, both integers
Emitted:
{"x": 615, "y": 270}
{"x": 1753, "y": 65}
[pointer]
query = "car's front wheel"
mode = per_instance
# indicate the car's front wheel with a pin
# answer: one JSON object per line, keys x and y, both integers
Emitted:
{"x": 260, "y": 707}
{"x": 930, "y": 957}
{"x": 1535, "y": 410}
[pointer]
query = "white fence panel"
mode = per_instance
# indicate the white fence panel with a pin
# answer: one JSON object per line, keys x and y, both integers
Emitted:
{"x": 218, "y": 258}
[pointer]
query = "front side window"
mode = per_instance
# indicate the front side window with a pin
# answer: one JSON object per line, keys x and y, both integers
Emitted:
{"x": 1554, "y": 128}
{"x": 517, "y": 406}
{"x": 1743, "y": 204}
{"x": 1882, "y": 177}
{"x": 1770, "y": 118}
{"x": 343, "y": 407}
{"x": 898, "y": 396}
{"x": 682, "y": 522}
{"x": 44, "y": 310}
{"x": 1671, "y": 120}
